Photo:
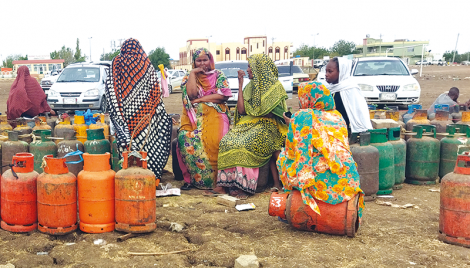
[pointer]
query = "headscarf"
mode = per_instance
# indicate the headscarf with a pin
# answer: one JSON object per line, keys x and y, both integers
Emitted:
{"x": 162, "y": 72}
{"x": 354, "y": 103}
{"x": 202, "y": 79}
{"x": 26, "y": 96}
{"x": 264, "y": 92}
{"x": 136, "y": 107}
{"x": 317, "y": 143}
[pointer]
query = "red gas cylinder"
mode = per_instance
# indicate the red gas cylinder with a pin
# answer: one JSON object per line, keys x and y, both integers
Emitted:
{"x": 339, "y": 219}
{"x": 18, "y": 194}
{"x": 57, "y": 198}
{"x": 96, "y": 194}
{"x": 454, "y": 218}
{"x": 135, "y": 205}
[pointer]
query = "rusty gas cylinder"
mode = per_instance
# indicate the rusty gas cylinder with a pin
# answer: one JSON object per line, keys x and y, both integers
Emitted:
{"x": 399, "y": 156}
{"x": 11, "y": 147}
{"x": 420, "y": 117}
{"x": 4, "y": 126}
{"x": 72, "y": 150}
{"x": 51, "y": 121}
{"x": 41, "y": 125}
{"x": 64, "y": 125}
{"x": 277, "y": 204}
{"x": 57, "y": 198}
{"x": 96, "y": 142}
{"x": 24, "y": 130}
{"x": 339, "y": 219}
{"x": 96, "y": 194}
{"x": 135, "y": 205}
{"x": 440, "y": 122}
{"x": 18, "y": 194}
{"x": 454, "y": 217}
{"x": 367, "y": 160}
{"x": 101, "y": 124}
{"x": 465, "y": 118}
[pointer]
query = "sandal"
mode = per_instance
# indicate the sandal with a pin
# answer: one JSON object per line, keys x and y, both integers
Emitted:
{"x": 274, "y": 189}
{"x": 211, "y": 193}
{"x": 186, "y": 187}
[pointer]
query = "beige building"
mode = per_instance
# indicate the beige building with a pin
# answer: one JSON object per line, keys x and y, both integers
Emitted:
{"x": 234, "y": 51}
{"x": 38, "y": 68}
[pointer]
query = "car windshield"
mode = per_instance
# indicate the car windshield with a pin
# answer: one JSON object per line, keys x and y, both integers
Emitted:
{"x": 84, "y": 74}
{"x": 284, "y": 70}
{"x": 380, "y": 67}
{"x": 230, "y": 69}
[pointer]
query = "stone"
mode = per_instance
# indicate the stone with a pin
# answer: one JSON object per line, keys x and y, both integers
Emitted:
{"x": 8, "y": 265}
{"x": 384, "y": 123}
{"x": 176, "y": 227}
{"x": 228, "y": 200}
{"x": 247, "y": 261}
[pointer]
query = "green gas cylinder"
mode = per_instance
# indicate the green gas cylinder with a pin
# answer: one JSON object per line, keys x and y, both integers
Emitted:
{"x": 452, "y": 145}
{"x": 41, "y": 148}
{"x": 399, "y": 154}
{"x": 379, "y": 140}
{"x": 422, "y": 156}
{"x": 96, "y": 142}
{"x": 115, "y": 166}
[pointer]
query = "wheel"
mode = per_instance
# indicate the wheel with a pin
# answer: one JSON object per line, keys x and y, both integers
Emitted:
{"x": 104, "y": 104}
{"x": 170, "y": 89}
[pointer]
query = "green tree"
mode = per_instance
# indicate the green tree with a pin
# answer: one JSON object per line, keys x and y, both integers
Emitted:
{"x": 159, "y": 56}
{"x": 449, "y": 55}
{"x": 110, "y": 55}
{"x": 78, "y": 53}
{"x": 309, "y": 51}
{"x": 343, "y": 47}
{"x": 8, "y": 61}
{"x": 64, "y": 53}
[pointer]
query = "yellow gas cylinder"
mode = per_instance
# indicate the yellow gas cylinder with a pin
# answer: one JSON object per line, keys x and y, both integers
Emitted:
{"x": 101, "y": 124}
{"x": 61, "y": 128}
{"x": 4, "y": 126}
{"x": 79, "y": 126}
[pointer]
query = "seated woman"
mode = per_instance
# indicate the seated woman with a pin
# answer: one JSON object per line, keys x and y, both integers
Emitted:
{"x": 259, "y": 132}
{"x": 316, "y": 160}
{"x": 204, "y": 122}
{"x": 347, "y": 95}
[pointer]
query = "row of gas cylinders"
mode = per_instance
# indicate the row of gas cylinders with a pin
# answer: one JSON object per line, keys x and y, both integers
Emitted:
{"x": 385, "y": 161}
{"x": 107, "y": 201}
{"x": 70, "y": 147}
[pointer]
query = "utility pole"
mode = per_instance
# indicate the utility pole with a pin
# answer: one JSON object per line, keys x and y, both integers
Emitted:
{"x": 453, "y": 57}
{"x": 90, "y": 47}
{"x": 380, "y": 46}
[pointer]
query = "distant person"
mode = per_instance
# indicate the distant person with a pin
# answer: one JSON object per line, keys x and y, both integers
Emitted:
{"x": 26, "y": 97}
{"x": 446, "y": 98}
{"x": 164, "y": 80}
{"x": 347, "y": 95}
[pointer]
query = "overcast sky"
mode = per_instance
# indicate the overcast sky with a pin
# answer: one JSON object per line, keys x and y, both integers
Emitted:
{"x": 39, "y": 27}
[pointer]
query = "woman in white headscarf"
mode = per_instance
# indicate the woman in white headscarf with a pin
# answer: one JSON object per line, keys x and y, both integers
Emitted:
{"x": 347, "y": 95}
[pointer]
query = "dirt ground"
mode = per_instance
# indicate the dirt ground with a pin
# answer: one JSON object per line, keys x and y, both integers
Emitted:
{"x": 217, "y": 235}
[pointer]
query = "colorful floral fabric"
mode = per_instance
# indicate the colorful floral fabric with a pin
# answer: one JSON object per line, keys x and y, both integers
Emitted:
{"x": 317, "y": 160}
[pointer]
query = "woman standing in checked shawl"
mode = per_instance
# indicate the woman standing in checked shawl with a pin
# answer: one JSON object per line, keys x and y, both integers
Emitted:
{"x": 134, "y": 96}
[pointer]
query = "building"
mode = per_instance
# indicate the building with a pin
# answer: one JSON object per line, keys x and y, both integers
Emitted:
{"x": 409, "y": 51}
{"x": 174, "y": 63}
{"x": 235, "y": 51}
{"x": 38, "y": 67}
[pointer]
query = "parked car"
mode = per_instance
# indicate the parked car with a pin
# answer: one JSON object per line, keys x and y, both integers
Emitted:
{"x": 321, "y": 75}
{"x": 298, "y": 74}
{"x": 465, "y": 62}
{"x": 79, "y": 87}
{"x": 424, "y": 62}
{"x": 386, "y": 80}
{"x": 230, "y": 69}
{"x": 175, "y": 77}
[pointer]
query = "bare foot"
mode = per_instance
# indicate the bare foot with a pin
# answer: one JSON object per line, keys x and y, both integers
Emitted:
{"x": 220, "y": 190}
{"x": 239, "y": 194}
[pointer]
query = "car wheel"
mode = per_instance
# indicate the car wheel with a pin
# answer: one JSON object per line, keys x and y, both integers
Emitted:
{"x": 170, "y": 89}
{"x": 104, "y": 104}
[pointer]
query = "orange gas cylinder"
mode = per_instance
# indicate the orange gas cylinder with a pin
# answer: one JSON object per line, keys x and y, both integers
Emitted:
{"x": 57, "y": 198}
{"x": 18, "y": 194}
{"x": 96, "y": 194}
{"x": 454, "y": 218}
{"x": 277, "y": 205}
{"x": 339, "y": 219}
{"x": 135, "y": 205}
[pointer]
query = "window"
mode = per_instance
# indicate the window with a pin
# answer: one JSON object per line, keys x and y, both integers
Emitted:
{"x": 411, "y": 49}
{"x": 39, "y": 68}
{"x": 227, "y": 54}
{"x": 217, "y": 52}
{"x": 278, "y": 50}
{"x": 244, "y": 51}
{"x": 238, "y": 50}
{"x": 270, "y": 50}
{"x": 286, "y": 50}
{"x": 251, "y": 48}
{"x": 257, "y": 45}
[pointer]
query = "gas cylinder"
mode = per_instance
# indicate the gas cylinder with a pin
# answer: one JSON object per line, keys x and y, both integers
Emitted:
{"x": 422, "y": 156}
{"x": 450, "y": 147}
{"x": 57, "y": 198}
{"x": 39, "y": 124}
{"x": 410, "y": 113}
{"x": 51, "y": 121}
{"x": 339, "y": 219}
{"x": 71, "y": 149}
{"x": 441, "y": 120}
{"x": 399, "y": 156}
{"x": 367, "y": 160}
{"x": 18, "y": 194}
{"x": 454, "y": 217}
{"x": 465, "y": 118}
{"x": 96, "y": 142}
{"x": 96, "y": 194}
{"x": 41, "y": 148}
{"x": 116, "y": 165}
{"x": 4, "y": 126}
{"x": 79, "y": 126}
{"x": 23, "y": 129}
{"x": 63, "y": 126}
{"x": 420, "y": 117}
{"x": 135, "y": 205}
{"x": 456, "y": 113}
{"x": 379, "y": 140}
{"x": 101, "y": 124}
{"x": 11, "y": 148}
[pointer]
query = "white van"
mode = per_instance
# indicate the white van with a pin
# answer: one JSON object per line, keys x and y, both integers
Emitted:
{"x": 80, "y": 87}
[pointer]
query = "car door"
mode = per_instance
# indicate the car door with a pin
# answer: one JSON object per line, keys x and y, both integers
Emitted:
{"x": 175, "y": 80}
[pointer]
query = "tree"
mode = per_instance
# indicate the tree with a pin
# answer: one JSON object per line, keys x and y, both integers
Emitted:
{"x": 110, "y": 55}
{"x": 309, "y": 51}
{"x": 78, "y": 53}
{"x": 159, "y": 56}
{"x": 343, "y": 47}
{"x": 64, "y": 53}
{"x": 8, "y": 62}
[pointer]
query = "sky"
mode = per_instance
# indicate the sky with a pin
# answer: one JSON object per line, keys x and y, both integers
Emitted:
{"x": 40, "y": 27}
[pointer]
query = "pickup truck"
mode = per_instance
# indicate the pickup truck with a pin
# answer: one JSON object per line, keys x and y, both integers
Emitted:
{"x": 230, "y": 69}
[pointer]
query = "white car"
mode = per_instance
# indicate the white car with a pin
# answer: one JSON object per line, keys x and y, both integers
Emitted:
{"x": 80, "y": 87}
{"x": 230, "y": 69}
{"x": 386, "y": 80}
{"x": 424, "y": 62}
{"x": 299, "y": 75}
{"x": 47, "y": 82}
{"x": 175, "y": 77}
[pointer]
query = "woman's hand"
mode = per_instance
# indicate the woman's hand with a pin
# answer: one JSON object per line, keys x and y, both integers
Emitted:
{"x": 286, "y": 119}
{"x": 241, "y": 75}
{"x": 198, "y": 70}
{"x": 195, "y": 101}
